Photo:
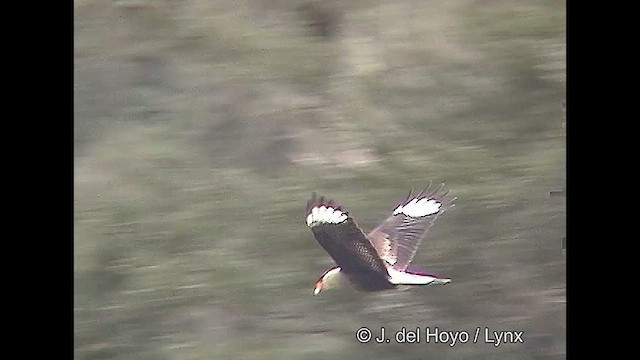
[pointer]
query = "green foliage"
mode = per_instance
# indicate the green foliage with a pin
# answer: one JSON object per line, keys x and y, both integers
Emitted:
{"x": 201, "y": 128}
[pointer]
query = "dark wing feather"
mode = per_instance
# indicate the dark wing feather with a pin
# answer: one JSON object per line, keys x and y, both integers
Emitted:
{"x": 397, "y": 239}
{"x": 347, "y": 245}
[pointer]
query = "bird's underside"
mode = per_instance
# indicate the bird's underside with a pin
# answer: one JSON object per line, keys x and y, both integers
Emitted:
{"x": 379, "y": 260}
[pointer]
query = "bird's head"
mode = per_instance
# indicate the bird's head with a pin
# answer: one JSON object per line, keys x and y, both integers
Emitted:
{"x": 330, "y": 279}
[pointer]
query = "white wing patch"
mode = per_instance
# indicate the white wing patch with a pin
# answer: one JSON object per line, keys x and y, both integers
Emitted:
{"x": 418, "y": 208}
{"x": 325, "y": 215}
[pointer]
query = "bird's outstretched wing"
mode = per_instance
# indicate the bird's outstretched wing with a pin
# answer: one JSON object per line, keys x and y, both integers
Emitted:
{"x": 397, "y": 239}
{"x": 345, "y": 242}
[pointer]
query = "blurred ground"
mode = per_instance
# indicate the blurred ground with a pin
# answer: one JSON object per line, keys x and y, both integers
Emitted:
{"x": 201, "y": 128}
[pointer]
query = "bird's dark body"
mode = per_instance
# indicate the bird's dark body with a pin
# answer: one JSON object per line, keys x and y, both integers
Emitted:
{"x": 363, "y": 282}
{"x": 356, "y": 257}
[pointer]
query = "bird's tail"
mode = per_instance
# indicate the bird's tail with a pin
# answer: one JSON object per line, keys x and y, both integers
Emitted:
{"x": 403, "y": 278}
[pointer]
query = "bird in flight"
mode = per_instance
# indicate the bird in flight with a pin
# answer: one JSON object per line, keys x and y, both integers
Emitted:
{"x": 379, "y": 260}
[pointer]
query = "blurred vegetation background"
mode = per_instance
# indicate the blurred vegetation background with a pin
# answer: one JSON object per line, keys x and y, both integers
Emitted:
{"x": 202, "y": 127}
